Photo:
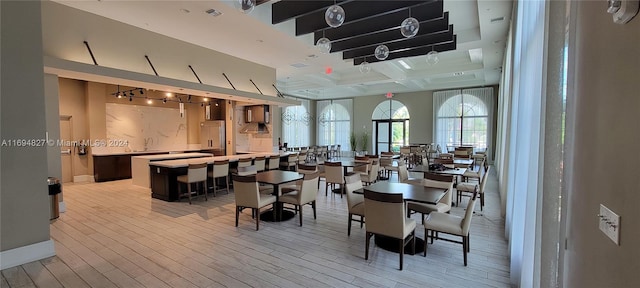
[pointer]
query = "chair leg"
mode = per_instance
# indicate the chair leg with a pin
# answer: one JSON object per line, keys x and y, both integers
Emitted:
{"x": 227, "y": 182}
{"x": 257, "y": 212}
{"x": 481, "y": 201}
{"x": 413, "y": 242}
{"x": 189, "y": 191}
{"x": 313, "y": 205}
{"x": 326, "y": 188}
{"x": 300, "y": 215}
{"x": 349, "y": 224}
{"x": 468, "y": 243}
{"x": 464, "y": 249}
{"x": 237, "y": 214}
{"x": 426, "y": 233}
{"x": 401, "y": 252}
{"x": 366, "y": 245}
{"x": 432, "y": 236}
{"x": 204, "y": 187}
{"x": 361, "y": 221}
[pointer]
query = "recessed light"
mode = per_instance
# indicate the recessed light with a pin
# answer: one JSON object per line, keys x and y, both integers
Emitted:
{"x": 404, "y": 64}
{"x": 214, "y": 12}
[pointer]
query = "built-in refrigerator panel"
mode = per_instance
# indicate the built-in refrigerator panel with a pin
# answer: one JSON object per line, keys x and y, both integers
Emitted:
{"x": 212, "y": 137}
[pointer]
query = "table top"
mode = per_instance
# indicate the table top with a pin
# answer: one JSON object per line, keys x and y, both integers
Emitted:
{"x": 209, "y": 160}
{"x": 277, "y": 177}
{"x": 348, "y": 162}
{"x": 410, "y": 192}
{"x": 172, "y": 156}
{"x": 425, "y": 168}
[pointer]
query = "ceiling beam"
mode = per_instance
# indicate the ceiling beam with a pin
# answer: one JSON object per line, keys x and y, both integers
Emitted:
{"x": 354, "y": 11}
{"x": 425, "y": 40}
{"x": 416, "y": 51}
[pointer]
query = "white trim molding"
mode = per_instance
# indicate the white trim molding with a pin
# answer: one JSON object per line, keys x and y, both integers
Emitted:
{"x": 26, "y": 254}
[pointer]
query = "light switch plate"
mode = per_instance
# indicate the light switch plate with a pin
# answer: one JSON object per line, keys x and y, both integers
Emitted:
{"x": 609, "y": 224}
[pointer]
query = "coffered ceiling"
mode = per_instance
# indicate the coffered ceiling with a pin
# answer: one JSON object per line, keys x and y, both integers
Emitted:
{"x": 469, "y": 35}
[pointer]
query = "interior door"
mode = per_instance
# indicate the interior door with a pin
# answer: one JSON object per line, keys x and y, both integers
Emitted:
{"x": 66, "y": 150}
{"x": 382, "y": 136}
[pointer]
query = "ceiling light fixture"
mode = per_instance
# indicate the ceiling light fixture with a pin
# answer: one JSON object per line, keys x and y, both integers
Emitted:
{"x": 324, "y": 44}
{"x": 404, "y": 64}
{"x": 334, "y": 16}
{"x": 381, "y": 52}
{"x": 246, "y": 6}
{"x": 432, "y": 57}
{"x": 365, "y": 67}
{"x": 409, "y": 26}
{"x": 149, "y": 101}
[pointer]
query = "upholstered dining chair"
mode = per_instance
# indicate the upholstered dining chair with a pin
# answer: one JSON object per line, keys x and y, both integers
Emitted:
{"x": 403, "y": 176}
{"x": 247, "y": 195}
{"x": 395, "y": 167}
{"x": 334, "y": 174}
{"x": 450, "y": 224}
{"x": 260, "y": 163}
{"x": 444, "y": 205}
{"x": 355, "y": 202}
{"x": 196, "y": 173}
{"x": 302, "y": 169}
{"x": 362, "y": 169}
{"x": 372, "y": 175}
{"x": 474, "y": 175}
{"x": 220, "y": 169}
{"x": 244, "y": 162}
{"x": 470, "y": 187}
{"x": 385, "y": 215}
{"x": 385, "y": 162}
{"x": 274, "y": 162}
{"x": 291, "y": 162}
{"x": 306, "y": 195}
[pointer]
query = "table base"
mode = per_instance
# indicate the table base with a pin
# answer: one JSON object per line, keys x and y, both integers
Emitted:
{"x": 268, "y": 216}
{"x": 391, "y": 244}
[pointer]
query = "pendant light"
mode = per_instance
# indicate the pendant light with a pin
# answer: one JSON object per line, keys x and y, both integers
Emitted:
{"x": 409, "y": 26}
{"x": 432, "y": 57}
{"x": 365, "y": 67}
{"x": 245, "y": 6}
{"x": 324, "y": 44}
{"x": 334, "y": 16}
{"x": 382, "y": 52}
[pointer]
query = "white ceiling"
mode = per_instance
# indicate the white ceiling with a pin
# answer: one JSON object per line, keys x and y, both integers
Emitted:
{"x": 252, "y": 37}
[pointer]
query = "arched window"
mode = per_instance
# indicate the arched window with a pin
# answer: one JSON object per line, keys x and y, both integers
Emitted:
{"x": 334, "y": 123}
{"x": 463, "y": 117}
{"x": 295, "y": 125}
{"x": 390, "y": 126}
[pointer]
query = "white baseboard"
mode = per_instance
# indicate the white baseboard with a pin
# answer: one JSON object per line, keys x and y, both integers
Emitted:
{"x": 26, "y": 254}
{"x": 83, "y": 178}
{"x": 63, "y": 207}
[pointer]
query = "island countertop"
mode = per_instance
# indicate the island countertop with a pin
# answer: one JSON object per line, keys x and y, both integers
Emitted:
{"x": 210, "y": 160}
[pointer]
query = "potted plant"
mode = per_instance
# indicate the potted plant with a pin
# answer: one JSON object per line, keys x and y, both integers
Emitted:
{"x": 364, "y": 138}
{"x": 353, "y": 141}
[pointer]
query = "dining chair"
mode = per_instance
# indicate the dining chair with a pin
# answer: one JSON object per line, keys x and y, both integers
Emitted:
{"x": 447, "y": 162}
{"x": 291, "y": 162}
{"x": 470, "y": 187}
{"x": 355, "y": 202}
{"x": 302, "y": 158}
{"x": 474, "y": 175}
{"x": 196, "y": 173}
{"x": 247, "y": 195}
{"x": 306, "y": 195}
{"x": 260, "y": 163}
{"x": 444, "y": 205}
{"x": 362, "y": 169}
{"x": 385, "y": 214}
{"x": 243, "y": 162}
{"x": 403, "y": 176}
{"x": 220, "y": 169}
{"x": 274, "y": 162}
{"x": 334, "y": 174}
{"x": 372, "y": 175}
{"x": 451, "y": 224}
{"x": 385, "y": 162}
{"x": 302, "y": 169}
{"x": 395, "y": 168}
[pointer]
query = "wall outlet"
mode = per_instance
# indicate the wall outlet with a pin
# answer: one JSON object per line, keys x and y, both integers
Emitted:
{"x": 609, "y": 224}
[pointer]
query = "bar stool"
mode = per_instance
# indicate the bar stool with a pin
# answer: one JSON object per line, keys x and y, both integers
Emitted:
{"x": 220, "y": 169}
{"x": 196, "y": 173}
{"x": 259, "y": 162}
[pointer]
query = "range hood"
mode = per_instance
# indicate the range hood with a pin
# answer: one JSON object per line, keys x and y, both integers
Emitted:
{"x": 255, "y": 128}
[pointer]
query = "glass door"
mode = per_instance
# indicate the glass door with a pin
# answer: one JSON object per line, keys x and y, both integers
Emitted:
{"x": 390, "y": 135}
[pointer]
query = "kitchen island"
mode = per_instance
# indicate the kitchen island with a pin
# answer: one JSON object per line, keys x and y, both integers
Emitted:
{"x": 140, "y": 165}
{"x": 164, "y": 174}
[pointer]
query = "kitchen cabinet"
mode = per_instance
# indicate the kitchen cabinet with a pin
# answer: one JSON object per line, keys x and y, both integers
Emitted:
{"x": 212, "y": 137}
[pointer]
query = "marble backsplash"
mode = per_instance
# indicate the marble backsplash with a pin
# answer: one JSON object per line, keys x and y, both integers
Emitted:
{"x": 145, "y": 128}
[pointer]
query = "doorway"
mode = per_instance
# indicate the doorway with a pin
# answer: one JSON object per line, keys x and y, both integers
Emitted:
{"x": 390, "y": 135}
{"x": 66, "y": 149}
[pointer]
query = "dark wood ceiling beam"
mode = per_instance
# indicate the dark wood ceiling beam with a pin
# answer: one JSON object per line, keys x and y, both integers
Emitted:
{"x": 288, "y": 9}
{"x": 390, "y": 35}
{"x": 414, "y": 51}
{"x": 425, "y": 40}
{"x": 355, "y": 11}
{"x": 380, "y": 23}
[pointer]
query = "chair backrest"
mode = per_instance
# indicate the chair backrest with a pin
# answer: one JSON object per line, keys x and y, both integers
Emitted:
{"x": 274, "y": 162}
{"x": 385, "y": 213}
{"x": 334, "y": 172}
{"x": 302, "y": 156}
{"x": 386, "y": 161}
{"x": 440, "y": 181}
{"x": 483, "y": 181}
{"x": 307, "y": 169}
{"x": 443, "y": 161}
{"x": 293, "y": 158}
{"x": 445, "y": 156}
{"x": 403, "y": 173}
{"x": 220, "y": 168}
{"x": 244, "y": 162}
{"x": 197, "y": 172}
{"x": 353, "y": 183}
{"x": 466, "y": 221}
{"x": 405, "y": 150}
{"x": 246, "y": 191}
{"x": 375, "y": 167}
{"x": 259, "y": 162}
{"x": 247, "y": 170}
{"x": 309, "y": 189}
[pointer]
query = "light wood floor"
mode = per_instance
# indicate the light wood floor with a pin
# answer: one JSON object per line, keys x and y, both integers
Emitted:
{"x": 114, "y": 235}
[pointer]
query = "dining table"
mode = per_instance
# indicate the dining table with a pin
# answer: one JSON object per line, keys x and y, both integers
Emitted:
{"x": 410, "y": 192}
{"x": 277, "y": 178}
{"x": 425, "y": 169}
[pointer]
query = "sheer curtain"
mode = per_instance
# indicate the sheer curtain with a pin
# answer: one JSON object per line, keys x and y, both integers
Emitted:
{"x": 296, "y": 128}
{"x": 464, "y": 117}
{"x": 334, "y": 122}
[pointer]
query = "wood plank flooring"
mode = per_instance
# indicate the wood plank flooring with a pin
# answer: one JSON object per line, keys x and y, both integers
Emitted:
{"x": 115, "y": 235}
